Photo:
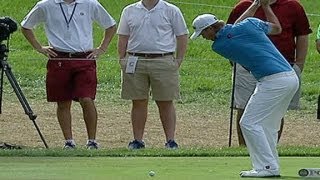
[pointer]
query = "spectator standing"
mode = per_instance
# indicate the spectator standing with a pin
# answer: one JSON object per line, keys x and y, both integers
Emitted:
{"x": 152, "y": 44}
{"x": 71, "y": 69}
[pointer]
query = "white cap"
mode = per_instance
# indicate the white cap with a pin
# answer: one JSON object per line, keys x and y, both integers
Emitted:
{"x": 201, "y": 22}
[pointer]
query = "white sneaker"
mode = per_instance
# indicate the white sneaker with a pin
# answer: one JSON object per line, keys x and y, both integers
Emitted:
{"x": 260, "y": 173}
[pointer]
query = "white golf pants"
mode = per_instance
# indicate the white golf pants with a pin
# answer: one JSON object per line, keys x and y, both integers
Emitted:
{"x": 260, "y": 122}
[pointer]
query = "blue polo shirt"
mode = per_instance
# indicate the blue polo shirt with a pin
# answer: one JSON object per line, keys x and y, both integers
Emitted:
{"x": 247, "y": 44}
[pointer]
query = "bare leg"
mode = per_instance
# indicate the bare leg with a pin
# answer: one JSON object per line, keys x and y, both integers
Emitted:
{"x": 139, "y": 113}
{"x": 240, "y": 135}
{"x": 64, "y": 118}
{"x": 168, "y": 118}
{"x": 89, "y": 116}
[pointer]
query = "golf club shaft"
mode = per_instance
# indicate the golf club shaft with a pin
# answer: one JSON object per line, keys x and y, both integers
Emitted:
{"x": 231, "y": 103}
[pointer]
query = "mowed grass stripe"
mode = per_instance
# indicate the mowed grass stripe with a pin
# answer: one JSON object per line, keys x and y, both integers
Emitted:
{"x": 138, "y": 167}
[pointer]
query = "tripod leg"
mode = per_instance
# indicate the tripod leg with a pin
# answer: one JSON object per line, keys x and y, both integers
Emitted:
{"x": 39, "y": 132}
{"x": 23, "y": 101}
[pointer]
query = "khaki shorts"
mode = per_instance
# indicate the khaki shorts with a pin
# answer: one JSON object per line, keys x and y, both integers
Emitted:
{"x": 161, "y": 74}
{"x": 245, "y": 85}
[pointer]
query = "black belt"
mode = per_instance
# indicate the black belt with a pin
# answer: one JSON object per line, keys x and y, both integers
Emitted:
{"x": 151, "y": 55}
{"x": 72, "y": 54}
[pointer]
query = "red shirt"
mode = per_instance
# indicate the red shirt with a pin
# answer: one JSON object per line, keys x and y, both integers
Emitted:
{"x": 292, "y": 18}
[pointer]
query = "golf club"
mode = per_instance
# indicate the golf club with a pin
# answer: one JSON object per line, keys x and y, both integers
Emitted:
{"x": 231, "y": 103}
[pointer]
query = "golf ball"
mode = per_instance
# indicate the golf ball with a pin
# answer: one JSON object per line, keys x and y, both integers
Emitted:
{"x": 152, "y": 173}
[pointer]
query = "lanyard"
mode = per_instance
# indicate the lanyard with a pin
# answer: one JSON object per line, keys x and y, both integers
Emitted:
{"x": 64, "y": 15}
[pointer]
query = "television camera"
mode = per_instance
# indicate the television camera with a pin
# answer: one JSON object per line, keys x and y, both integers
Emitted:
{"x": 7, "y": 27}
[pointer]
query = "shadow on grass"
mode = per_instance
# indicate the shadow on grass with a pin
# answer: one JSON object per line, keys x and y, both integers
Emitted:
{"x": 289, "y": 177}
{"x": 282, "y": 177}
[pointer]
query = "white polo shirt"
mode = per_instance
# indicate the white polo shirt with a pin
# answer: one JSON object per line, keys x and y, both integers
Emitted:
{"x": 152, "y": 31}
{"x": 76, "y": 38}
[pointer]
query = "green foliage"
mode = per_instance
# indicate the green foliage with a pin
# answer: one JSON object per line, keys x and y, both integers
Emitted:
{"x": 205, "y": 76}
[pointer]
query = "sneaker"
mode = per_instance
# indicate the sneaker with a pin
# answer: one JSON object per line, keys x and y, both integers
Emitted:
{"x": 69, "y": 145}
{"x": 171, "y": 144}
{"x": 92, "y": 145}
{"x": 135, "y": 144}
{"x": 260, "y": 173}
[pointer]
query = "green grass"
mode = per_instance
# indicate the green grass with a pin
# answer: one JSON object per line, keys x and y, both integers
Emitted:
{"x": 205, "y": 76}
{"x": 191, "y": 152}
{"x": 219, "y": 163}
{"x": 205, "y": 80}
{"x": 131, "y": 168}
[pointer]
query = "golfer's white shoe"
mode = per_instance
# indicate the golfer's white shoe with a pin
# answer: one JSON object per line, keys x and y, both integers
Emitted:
{"x": 260, "y": 173}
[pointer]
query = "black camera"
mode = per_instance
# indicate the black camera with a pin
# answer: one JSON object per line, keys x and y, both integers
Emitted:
{"x": 7, "y": 26}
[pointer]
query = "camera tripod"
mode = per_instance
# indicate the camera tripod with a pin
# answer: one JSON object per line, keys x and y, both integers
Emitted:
{"x": 6, "y": 69}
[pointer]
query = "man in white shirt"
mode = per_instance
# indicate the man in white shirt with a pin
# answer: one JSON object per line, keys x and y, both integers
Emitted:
{"x": 152, "y": 43}
{"x": 71, "y": 69}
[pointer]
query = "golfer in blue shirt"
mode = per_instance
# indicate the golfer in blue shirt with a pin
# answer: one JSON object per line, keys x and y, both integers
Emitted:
{"x": 246, "y": 43}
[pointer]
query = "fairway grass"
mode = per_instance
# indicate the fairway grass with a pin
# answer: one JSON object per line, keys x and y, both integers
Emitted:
{"x": 202, "y": 111}
{"x": 137, "y": 168}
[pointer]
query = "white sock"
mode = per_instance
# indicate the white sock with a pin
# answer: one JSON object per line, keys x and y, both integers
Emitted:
{"x": 71, "y": 141}
{"x": 91, "y": 140}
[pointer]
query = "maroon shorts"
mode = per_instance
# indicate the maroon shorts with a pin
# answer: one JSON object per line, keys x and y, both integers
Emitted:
{"x": 71, "y": 79}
